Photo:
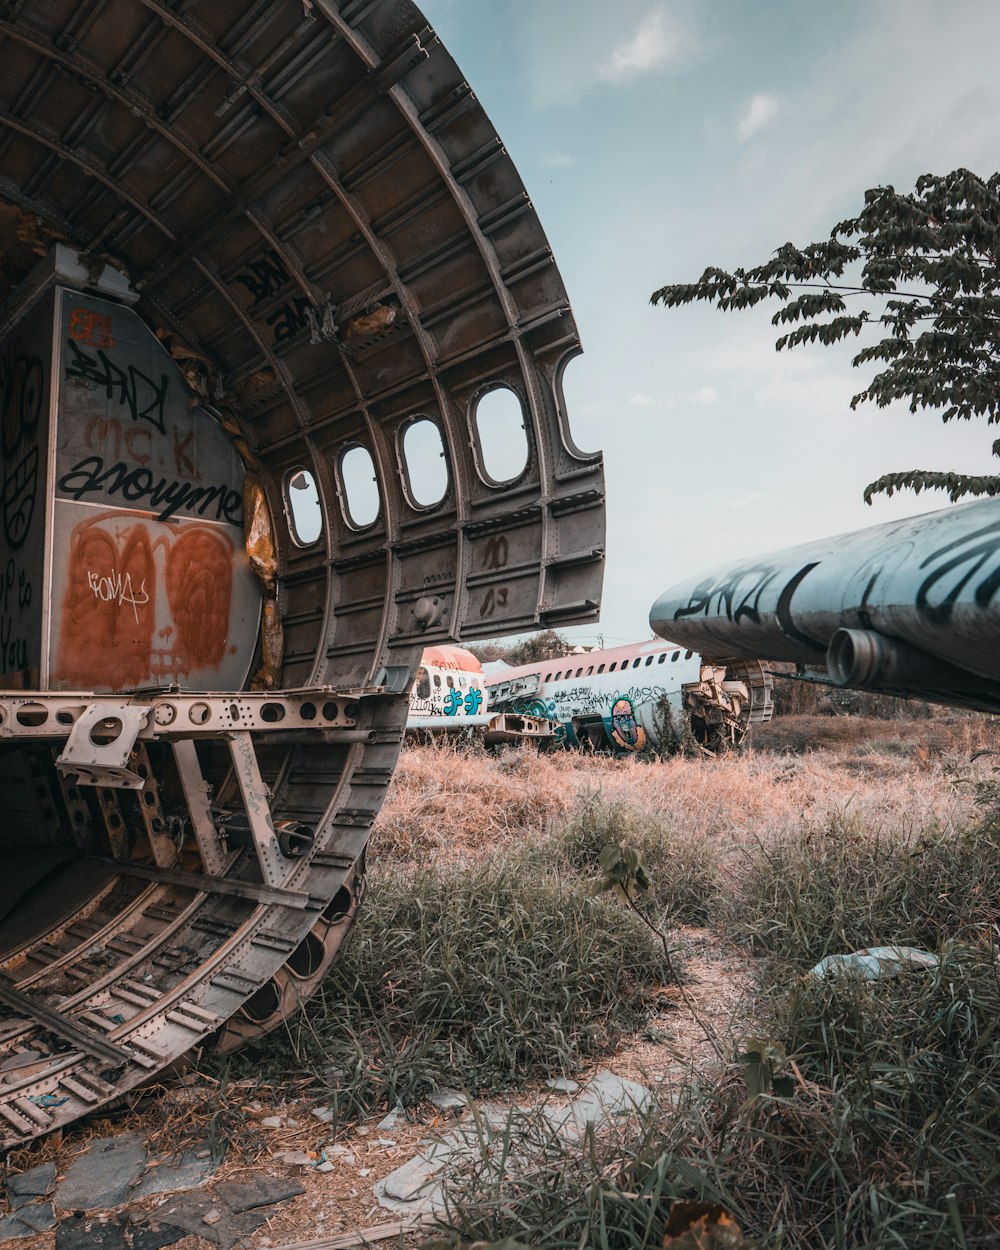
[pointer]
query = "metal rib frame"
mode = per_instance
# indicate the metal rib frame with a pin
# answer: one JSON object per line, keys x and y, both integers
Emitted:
{"x": 316, "y": 207}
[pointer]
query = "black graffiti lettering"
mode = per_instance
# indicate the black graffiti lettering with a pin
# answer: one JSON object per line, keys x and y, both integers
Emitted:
{"x": 264, "y": 276}
{"x": 132, "y": 389}
{"x": 171, "y": 494}
{"x": 22, "y": 387}
{"x": 15, "y": 596}
{"x": 289, "y": 319}
{"x": 89, "y": 477}
{"x": 13, "y": 651}
{"x": 7, "y": 584}
{"x": 973, "y": 550}
{"x": 138, "y": 484}
{"x": 738, "y": 603}
{"x": 493, "y": 600}
{"x": 783, "y": 611}
{"x": 20, "y": 486}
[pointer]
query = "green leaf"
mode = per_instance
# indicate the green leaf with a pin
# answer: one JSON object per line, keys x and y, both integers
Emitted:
{"x": 610, "y": 857}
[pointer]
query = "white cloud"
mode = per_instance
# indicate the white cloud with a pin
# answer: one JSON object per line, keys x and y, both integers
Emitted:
{"x": 759, "y": 113}
{"x": 639, "y": 400}
{"x": 558, "y": 160}
{"x": 704, "y": 395}
{"x": 653, "y": 44}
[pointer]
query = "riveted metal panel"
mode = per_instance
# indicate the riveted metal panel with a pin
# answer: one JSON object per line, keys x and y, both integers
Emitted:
{"x": 322, "y": 228}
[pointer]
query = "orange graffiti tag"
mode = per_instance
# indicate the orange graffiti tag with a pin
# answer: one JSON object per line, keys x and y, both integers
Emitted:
{"x": 143, "y": 604}
{"x": 103, "y": 641}
{"x": 199, "y": 586}
{"x": 91, "y": 328}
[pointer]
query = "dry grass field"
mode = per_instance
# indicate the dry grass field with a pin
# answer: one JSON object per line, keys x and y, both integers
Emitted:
{"x": 816, "y": 1115}
{"x": 448, "y": 801}
{"x": 865, "y": 1114}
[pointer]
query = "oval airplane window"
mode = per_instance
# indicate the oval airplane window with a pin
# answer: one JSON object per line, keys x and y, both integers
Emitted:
{"x": 361, "y": 497}
{"x": 304, "y": 515}
{"x": 424, "y": 462}
{"x": 500, "y": 430}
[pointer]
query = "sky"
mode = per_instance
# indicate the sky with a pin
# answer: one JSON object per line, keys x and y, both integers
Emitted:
{"x": 657, "y": 137}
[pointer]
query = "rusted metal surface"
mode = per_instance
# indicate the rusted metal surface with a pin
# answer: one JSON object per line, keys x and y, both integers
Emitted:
{"x": 241, "y": 240}
{"x": 909, "y": 608}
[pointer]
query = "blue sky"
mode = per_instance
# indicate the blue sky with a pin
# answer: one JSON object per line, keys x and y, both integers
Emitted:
{"x": 656, "y": 137}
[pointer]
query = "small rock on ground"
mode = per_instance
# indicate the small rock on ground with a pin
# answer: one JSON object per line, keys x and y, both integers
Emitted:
{"x": 76, "y": 1234}
{"x": 261, "y": 1190}
{"x": 28, "y": 1220}
{"x": 103, "y": 1174}
{"x": 37, "y": 1183}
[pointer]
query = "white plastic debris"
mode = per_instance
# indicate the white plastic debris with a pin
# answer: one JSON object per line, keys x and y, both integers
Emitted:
{"x": 872, "y": 962}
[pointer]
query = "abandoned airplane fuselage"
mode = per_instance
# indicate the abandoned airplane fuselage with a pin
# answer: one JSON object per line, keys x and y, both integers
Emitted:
{"x": 253, "y": 255}
{"x": 907, "y": 608}
{"x": 650, "y": 696}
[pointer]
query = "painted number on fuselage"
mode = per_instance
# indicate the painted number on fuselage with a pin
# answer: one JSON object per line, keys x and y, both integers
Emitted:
{"x": 497, "y": 552}
{"x": 493, "y": 601}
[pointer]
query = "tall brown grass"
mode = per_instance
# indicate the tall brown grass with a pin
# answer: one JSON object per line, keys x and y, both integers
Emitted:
{"x": 448, "y": 802}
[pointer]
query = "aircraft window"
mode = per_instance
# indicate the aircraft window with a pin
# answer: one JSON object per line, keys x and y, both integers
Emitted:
{"x": 600, "y": 668}
{"x": 424, "y": 461}
{"x": 635, "y": 662}
{"x": 649, "y": 660}
{"x": 361, "y": 497}
{"x": 579, "y": 671}
{"x": 558, "y": 675}
{"x": 612, "y": 667}
{"x": 673, "y": 657}
{"x": 305, "y": 520}
{"x": 499, "y": 426}
{"x": 688, "y": 655}
{"x": 590, "y": 670}
{"x": 663, "y": 656}
{"x": 437, "y": 681}
{"x": 423, "y": 684}
{"x": 451, "y": 682}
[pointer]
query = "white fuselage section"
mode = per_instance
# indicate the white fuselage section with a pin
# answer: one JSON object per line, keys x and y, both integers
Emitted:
{"x": 444, "y": 688}
{"x": 628, "y": 698}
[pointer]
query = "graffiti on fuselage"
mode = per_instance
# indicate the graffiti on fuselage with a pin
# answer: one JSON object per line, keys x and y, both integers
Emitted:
{"x": 618, "y": 711}
{"x": 470, "y": 702}
{"x": 448, "y": 690}
{"x": 626, "y": 731}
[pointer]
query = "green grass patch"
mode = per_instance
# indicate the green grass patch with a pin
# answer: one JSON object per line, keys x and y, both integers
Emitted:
{"x": 820, "y": 891}
{"x": 889, "y": 1135}
{"x": 683, "y": 871}
{"x": 479, "y": 977}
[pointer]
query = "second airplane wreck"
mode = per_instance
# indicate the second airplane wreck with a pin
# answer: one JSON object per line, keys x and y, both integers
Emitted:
{"x": 649, "y": 696}
{"x": 906, "y": 608}
{"x": 450, "y": 697}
